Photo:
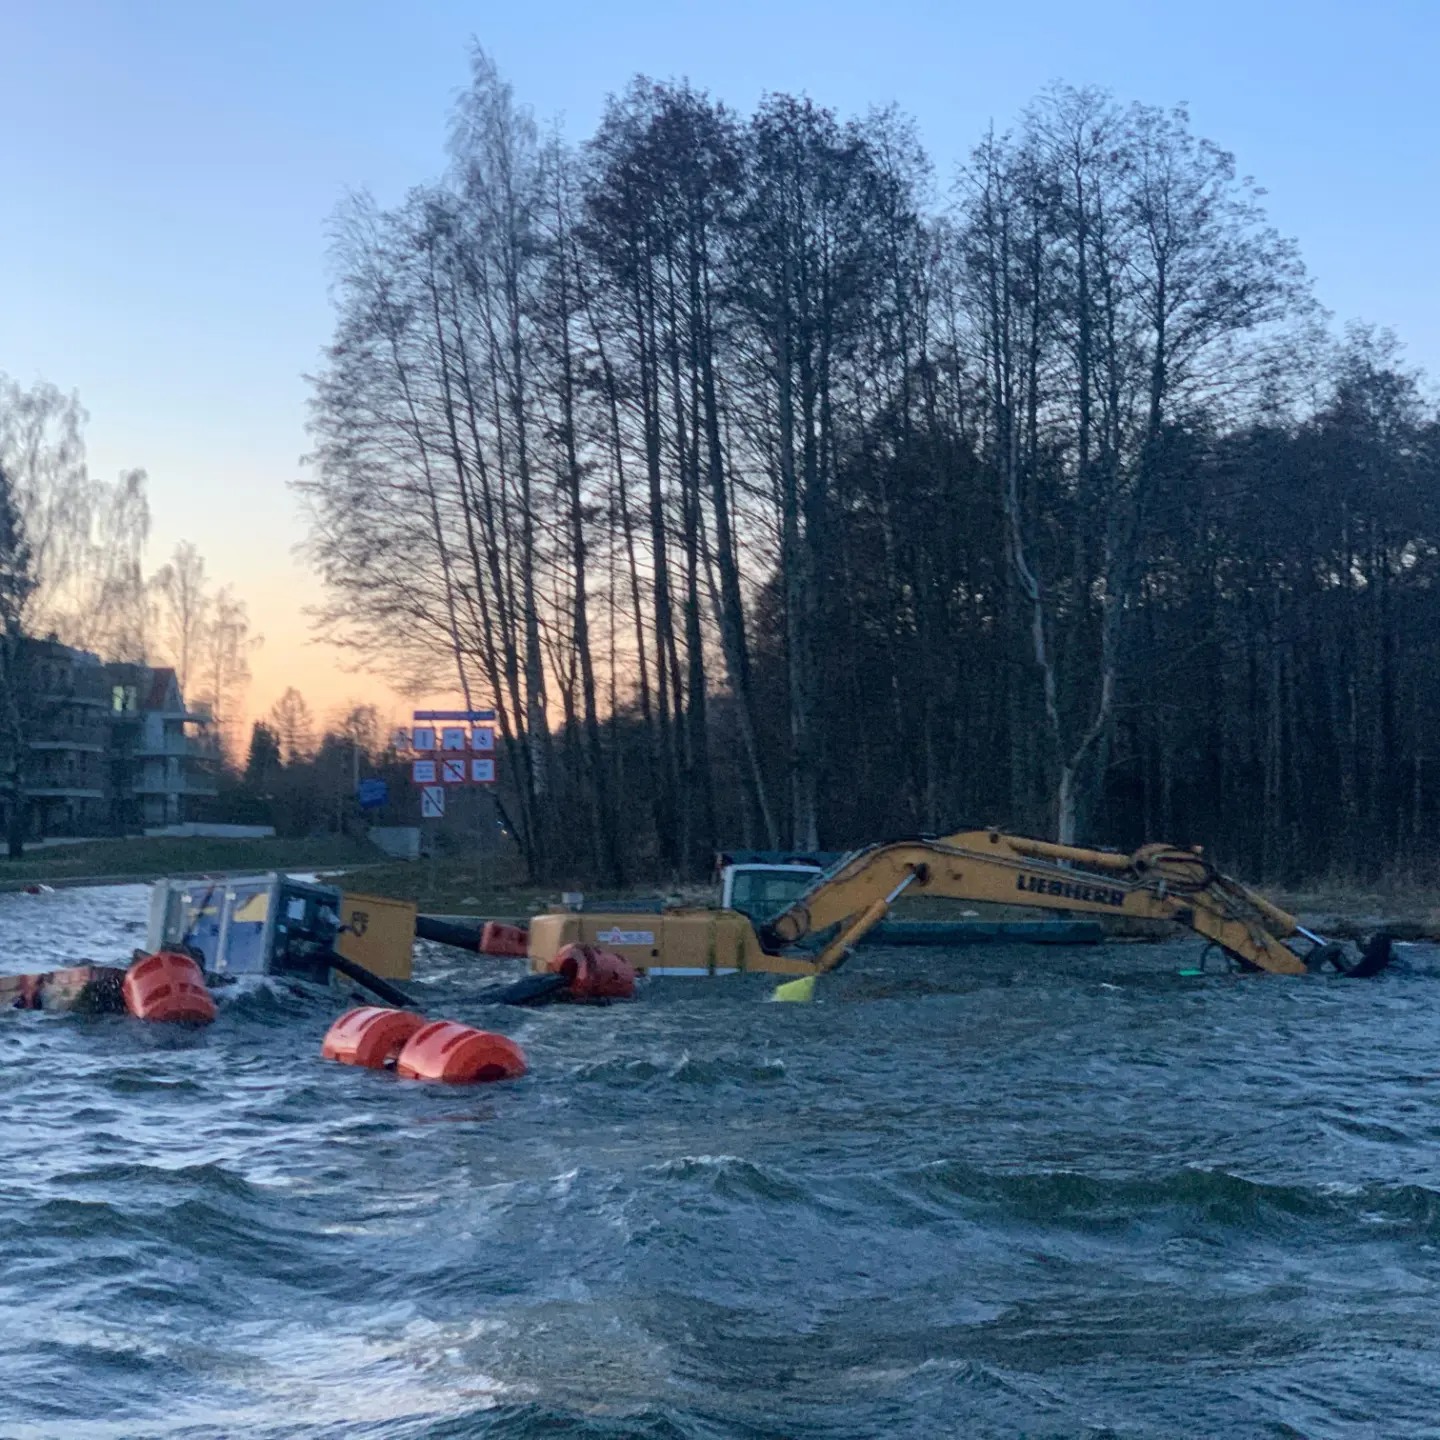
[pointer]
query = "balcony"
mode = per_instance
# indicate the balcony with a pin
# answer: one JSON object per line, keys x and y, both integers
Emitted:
{"x": 196, "y": 714}
{"x": 57, "y": 733}
{"x": 171, "y": 785}
{"x": 74, "y": 769}
{"x": 83, "y": 742}
{"x": 178, "y": 748}
{"x": 90, "y": 697}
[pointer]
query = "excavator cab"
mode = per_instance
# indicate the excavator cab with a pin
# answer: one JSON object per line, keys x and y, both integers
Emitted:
{"x": 761, "y": 883}
{"x": 760, "y": 891}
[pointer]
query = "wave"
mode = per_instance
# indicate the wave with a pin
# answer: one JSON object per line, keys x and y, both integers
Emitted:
{"x": 732, "y": 1177}
{"x": 688, "y": 1069}
{"x": 1215, "y": 1196}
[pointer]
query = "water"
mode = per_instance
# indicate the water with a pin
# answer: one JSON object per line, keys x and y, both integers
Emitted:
{"x": 997, "y": 1192}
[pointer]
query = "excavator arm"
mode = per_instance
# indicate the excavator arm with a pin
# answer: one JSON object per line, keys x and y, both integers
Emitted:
{"x": 1157, "y": 882}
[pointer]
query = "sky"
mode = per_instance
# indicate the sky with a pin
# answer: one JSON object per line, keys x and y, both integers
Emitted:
{"x": 168, "y": 169}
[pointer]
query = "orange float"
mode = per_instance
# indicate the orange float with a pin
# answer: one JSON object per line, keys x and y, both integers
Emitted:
{"x": 371, "y": 1036}
{"x": 594, "y": 974}
{"x": 506, "y": 940}
{"x": 447, "y": 1050}
{"x": 167, "y": 986}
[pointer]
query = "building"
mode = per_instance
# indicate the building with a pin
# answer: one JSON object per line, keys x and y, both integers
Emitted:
{"x": 110, "y": 749}
{"x": 65, "y": 779}
{"x": 163, "y": 754}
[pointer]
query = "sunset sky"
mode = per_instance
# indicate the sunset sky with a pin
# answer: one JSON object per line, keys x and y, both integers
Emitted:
{"x": 168, "y": 169}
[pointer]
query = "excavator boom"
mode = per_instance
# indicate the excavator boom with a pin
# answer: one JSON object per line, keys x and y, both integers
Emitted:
{"x": 1156, "y": 882}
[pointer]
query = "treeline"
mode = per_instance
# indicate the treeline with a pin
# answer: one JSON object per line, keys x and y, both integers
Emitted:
{"x": 304, "y": 780}
{"x": 769, "y": 497}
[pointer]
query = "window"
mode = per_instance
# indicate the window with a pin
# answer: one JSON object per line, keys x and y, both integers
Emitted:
{"x": 123, "y": 699}
{"x": 763, "y": 893}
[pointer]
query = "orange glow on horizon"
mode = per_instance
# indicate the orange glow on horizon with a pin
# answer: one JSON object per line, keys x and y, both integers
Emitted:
{"x": 329, "y": 678}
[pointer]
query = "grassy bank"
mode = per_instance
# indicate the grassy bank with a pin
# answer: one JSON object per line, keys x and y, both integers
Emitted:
{"x": 149, "y": 859}
{"x": 1409, "y": 909}
{"x": 457, "y": 884}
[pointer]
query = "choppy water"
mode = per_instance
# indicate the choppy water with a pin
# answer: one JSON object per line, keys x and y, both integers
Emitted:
{"x": 998, "y": 1192}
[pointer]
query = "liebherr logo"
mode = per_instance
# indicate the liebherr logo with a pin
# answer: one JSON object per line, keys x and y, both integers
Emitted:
{"x": 1070, "y": 890}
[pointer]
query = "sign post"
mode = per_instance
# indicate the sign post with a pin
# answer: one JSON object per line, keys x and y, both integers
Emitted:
{"x": 448, "y": 750}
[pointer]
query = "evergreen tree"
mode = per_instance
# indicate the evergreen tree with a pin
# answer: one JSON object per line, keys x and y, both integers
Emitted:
{"x": 17, "y": 584}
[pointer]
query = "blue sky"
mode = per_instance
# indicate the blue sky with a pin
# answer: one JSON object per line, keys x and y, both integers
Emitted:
{"x": 167, "y": 170}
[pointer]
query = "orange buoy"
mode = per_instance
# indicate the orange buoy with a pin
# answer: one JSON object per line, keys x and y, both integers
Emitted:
{"x": 507, "y": 940}
{"x": 594, "y": 974}
{"x": 371, "y": 1036}
{"x": 167, "y": 986}
{"x": 447, "y": 1050}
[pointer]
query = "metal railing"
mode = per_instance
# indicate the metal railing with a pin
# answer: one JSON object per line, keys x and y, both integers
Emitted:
{"x": 57, "y": 736}
{"x": 181, "y": 749}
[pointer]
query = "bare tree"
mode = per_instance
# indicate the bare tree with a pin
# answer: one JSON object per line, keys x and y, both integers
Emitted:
{"x": 226, "y": 647}
{"x": 86, "y": 537}
{"x": 17, "y": 587}
{"x": 757, "y": 499}
{"x": 1117, "y": 262}
{"x": 293, "y": 726}
{"x": 182, "y": 604}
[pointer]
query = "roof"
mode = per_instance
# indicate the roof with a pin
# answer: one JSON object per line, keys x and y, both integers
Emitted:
{"x": 163, "y": 685}
{"x": 823, "y": 858}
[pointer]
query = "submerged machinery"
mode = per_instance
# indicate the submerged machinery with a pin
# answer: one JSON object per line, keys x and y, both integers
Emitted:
{"x": 215, "y": 932}
{"x": 837, "y": 908}
{"x": 275, "y": 924}
{"x": 210, "y": 933}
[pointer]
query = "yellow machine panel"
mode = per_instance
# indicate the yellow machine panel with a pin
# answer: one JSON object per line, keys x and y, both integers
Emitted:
{"x": 378, "y": 934}
{"x": 691, "y": 942}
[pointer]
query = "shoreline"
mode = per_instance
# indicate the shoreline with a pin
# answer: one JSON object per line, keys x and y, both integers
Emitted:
{"x": 489, "y": 887}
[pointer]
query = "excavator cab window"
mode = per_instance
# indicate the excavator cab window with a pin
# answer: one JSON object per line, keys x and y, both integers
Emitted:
{"x": 760, "y": 891}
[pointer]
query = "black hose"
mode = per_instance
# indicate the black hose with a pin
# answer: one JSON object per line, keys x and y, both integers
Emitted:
{"x": 443, "y": 932}
{"x": 1376, "y": 955}
{"x": 529, "y": 990}
{"x": 370, "y": 980}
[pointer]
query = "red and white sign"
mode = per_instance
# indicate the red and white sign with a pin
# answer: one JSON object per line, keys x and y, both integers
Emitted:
{"x": 442, "y": 755}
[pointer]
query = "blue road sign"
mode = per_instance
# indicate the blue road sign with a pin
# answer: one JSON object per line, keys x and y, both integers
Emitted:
{"x": 372, "y": 794}
{"x": 472, "y": 715}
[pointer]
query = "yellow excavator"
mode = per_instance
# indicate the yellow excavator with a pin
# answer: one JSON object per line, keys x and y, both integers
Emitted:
{"x": 1156, "y": 882}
